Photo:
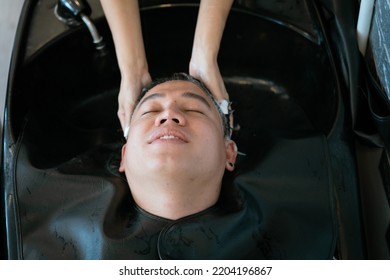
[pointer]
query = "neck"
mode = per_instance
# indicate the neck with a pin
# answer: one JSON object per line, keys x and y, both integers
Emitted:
{"x": 174, "y": 199}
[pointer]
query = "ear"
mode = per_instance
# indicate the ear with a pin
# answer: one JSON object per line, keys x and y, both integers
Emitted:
{"x": 231, "y": 154}
{"x": 121, "y": 165}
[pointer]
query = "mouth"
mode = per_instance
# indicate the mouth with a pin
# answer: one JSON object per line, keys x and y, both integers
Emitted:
{"x": 171, "y": 136}
{"x": 168, "y": 137}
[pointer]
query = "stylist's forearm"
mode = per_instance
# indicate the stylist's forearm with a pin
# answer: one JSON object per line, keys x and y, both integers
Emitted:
{"x": 124, "y": 20}
{"x": 210, "y": 26}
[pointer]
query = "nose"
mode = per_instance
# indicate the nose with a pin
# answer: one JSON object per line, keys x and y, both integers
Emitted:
{"x": 170, "y": 116}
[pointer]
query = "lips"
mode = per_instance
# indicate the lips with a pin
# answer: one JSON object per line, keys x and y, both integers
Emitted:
{"x": 168, "y": 135}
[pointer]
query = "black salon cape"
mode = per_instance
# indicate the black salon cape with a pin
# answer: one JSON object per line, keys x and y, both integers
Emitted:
{"x": 280, "y": 207}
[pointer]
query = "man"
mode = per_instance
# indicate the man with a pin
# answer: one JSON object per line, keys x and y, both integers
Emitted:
{"x": 177, "y": 149}
{"x": 176, "y": 156}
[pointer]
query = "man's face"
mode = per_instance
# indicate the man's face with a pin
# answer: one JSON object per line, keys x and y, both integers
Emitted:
{"x": 176, "y": 129}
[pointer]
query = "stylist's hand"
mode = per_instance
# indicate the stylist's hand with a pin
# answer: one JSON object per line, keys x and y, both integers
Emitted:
{"x": 124, "y": 20}
{"x": 208, "y": 34}
{"x": 129, "y": 91}
{"x": 207, "y": 71}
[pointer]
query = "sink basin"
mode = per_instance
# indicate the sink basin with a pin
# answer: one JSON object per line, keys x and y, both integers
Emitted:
{"x": 67, "y": 82}
{"x": 61, "y": 123}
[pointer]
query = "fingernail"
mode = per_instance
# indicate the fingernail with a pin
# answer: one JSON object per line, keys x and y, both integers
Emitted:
{"x": 126, "y": 132}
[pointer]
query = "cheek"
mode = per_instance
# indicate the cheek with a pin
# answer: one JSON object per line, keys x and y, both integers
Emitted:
{"x": 212, "y": 157}
{"x": 134, "y": 143}
{"x": 213, "y": 143}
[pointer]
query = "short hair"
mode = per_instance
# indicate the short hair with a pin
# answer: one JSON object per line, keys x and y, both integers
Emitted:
{"x": 201, "y": 85}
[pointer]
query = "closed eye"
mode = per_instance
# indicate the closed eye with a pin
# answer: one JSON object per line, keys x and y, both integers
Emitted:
{"x": 149, "y": 112}
{"x": 195, "y": 111}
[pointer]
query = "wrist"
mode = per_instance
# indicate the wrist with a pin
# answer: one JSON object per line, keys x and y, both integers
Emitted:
{"x": 133, "y": 71}
{"x": 202, "y": 50}
{"x": 135, "y": 80}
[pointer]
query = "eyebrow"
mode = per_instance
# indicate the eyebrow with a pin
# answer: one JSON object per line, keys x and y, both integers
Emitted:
{"x": 150, "y": 97}
{"x": 184, "y": 94}
{"x": 197, "y": 97}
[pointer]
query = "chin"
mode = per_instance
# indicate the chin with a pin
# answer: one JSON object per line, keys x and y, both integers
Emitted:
{"x": 169, "y": 165}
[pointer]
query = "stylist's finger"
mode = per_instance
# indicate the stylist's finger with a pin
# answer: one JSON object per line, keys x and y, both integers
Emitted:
{"x": 128, "y": 92}
{"x": 121, "y": 117}
{"x": 130, "y": 89}
{"x": 124, "y": 115}
{"x": 210, "y": 75}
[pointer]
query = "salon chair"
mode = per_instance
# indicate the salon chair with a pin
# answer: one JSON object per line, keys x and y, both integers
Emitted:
{"x": 291, "y": 69}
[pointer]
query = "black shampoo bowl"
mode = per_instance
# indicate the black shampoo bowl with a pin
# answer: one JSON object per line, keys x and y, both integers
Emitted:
{"x": 62, "y": 137}
{"x": 280, "y": 79}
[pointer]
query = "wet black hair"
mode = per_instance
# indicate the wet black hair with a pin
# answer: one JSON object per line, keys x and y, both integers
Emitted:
{"x": 201, "y": 85}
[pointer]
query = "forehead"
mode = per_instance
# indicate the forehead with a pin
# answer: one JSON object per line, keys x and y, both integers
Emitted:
{"x": 177, "y": 88}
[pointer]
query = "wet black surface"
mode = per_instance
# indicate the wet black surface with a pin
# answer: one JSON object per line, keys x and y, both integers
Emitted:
{"x": 281, "y": 84}
{"x": 281, "y": 81}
